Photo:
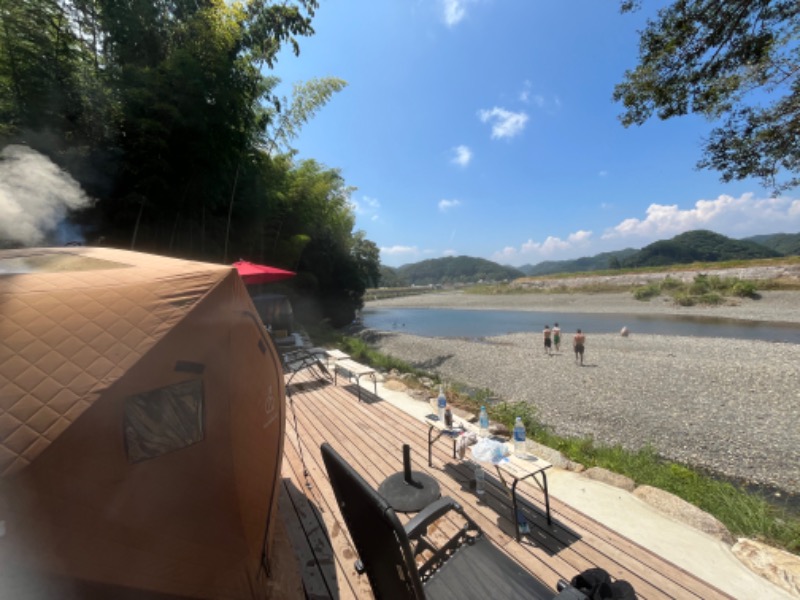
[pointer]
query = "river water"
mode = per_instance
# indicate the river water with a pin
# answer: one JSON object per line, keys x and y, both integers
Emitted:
{"x": 445, "y": 322}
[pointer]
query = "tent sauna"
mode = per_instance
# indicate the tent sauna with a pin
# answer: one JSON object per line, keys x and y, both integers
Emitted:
{"x": 141, "y": 428}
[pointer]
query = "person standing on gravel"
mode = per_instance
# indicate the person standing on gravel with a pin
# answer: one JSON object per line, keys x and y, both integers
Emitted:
{"x": 557, "y": 337}
{"x": 578, "y": 342}
{"x": 547, "y": 341}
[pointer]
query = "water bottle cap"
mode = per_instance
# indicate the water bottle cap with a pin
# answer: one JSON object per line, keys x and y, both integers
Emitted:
{"x": 483, "y": 408}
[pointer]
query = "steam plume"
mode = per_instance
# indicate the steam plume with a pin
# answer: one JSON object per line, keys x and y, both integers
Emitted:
{"x": 35, "y": 195}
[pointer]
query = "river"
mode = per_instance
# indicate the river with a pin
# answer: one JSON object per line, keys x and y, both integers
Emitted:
{"x": 445, "y": 322}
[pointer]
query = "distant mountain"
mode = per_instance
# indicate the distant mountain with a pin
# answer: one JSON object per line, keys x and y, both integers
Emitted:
{"x": 697, "y": 246}
{"x": 456, "y": 269}
{"x": 599, "y": 262}
{"x": 787, "y": 244}
{"x": 692, "y": 246}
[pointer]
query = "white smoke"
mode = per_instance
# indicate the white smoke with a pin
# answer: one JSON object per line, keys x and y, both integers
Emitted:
{"x": 35, "y": 195}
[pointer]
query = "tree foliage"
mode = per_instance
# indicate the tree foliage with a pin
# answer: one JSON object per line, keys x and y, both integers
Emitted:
{"x": 167, "y": 113}
{"x": 697, "y": 246}
{"x": 598, "y": 262}
{"x": 787, "y": 244}
{"x": 734, "y": 61}
{"x": 391, "y": 278}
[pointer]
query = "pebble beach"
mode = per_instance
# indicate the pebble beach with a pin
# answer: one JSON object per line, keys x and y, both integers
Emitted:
{"x": 726, "y": 405}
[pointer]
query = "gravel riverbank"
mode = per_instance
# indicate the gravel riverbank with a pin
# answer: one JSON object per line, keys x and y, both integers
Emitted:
{"x": 777, "y": 306}
{"x": 731, "y": 406}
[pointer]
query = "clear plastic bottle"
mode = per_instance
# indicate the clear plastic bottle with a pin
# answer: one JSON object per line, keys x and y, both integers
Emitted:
{"x": 483, "y": 421}
{"x": 441, "y": 403}
{"x": 519, "y": 437}
{"x": 480, "y": 480}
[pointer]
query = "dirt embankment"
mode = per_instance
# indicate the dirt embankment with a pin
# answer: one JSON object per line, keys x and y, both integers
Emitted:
{"x": 785, "y": 273}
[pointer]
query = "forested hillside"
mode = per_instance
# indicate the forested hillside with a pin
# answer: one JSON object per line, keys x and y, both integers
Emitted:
{"x": 599, "y": 262}
{"x": 166, "y": 114}
{"x": 787, "y": 244}
{"x": 391, "y": 278}
{"x": 692, "y": 246}
{"x": 456, "y": 269}
{"x": 697, "y": 246}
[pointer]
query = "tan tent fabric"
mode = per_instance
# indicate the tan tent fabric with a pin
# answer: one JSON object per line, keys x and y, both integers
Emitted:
{"x": 141, "y": 427}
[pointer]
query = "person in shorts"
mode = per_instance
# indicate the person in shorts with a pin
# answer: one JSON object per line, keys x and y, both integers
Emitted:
{"x": 578, "y": 343}
{"x": 557, "y": 337}
{"x": 548, "y": 342}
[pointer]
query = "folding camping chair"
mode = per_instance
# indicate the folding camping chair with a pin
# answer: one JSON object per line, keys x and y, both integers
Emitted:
{"x": 466, "y": 566}
{"x": 297, "y": 355}
{"x": 294, "y": 361}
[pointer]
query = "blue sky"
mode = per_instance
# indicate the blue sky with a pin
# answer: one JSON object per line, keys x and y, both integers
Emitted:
{"x": 486, "y": 128}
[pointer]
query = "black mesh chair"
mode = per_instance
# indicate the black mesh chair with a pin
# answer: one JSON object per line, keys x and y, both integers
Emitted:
{"x": 466, "y": 566}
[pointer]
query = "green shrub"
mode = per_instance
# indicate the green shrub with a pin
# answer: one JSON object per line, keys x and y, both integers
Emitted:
{"x": 684, "y": 299}
{"x": 359, "y": 350}
{"x": 646, "y": 292}
{"x": 744, "y": 289}
{"x": 717, "y": 283}
{"x": 699, "y": 286}
{"x": 710, "y": 298}
{"x": 670, "y": 283}
{"x": 507, "y": 412}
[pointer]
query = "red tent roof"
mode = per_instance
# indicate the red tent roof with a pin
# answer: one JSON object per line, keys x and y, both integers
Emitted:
{"x": 252, "y": 273}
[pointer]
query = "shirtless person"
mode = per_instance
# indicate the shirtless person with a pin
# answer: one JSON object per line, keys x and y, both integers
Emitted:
{"x": 557, "y": 337}
{"x": 547, "y": 341}
{"x": 578, "y": 341}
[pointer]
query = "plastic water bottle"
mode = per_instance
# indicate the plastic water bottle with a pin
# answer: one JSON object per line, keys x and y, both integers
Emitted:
{"x": 441, "y": 403}
{"x": 519, "y": 437}
{"x": 480, "y": 480}
{"x": 483, "y": 421}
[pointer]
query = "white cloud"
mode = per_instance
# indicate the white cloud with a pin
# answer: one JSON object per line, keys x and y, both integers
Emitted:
{"x": 445, "y": 205}
{"x": 449, "y": 252}
{"x": 399, "y": 250}
{"x": 462, "y": 156}
{"x": 525, "y": 94}
{"x": 367, "y": 207}
{"x": 453, "y": 11}
{"x": 549, "y": 103}
{"x": 737, "y": 217}
{"x": 537, "y": 251}
{"x": 505, "y": 124}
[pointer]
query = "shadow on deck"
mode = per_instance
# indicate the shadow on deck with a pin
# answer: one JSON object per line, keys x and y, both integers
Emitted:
{"x": 370, "y": 435}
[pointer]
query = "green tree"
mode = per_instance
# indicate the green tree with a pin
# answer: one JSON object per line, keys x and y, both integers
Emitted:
{"x": 41, "y": 61}
{"x": 166, "y": 112}
{"x": 307, "y": 98}
{"x": 390, "y": 278}
{"x": 368, "y": 259}
{"x": 733, "y": 61}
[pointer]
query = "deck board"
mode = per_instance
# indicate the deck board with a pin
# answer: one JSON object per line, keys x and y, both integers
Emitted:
{"x": 370, "y": 435}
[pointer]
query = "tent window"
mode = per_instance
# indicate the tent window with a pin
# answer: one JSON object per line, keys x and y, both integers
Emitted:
{"x": 163, "y": 420}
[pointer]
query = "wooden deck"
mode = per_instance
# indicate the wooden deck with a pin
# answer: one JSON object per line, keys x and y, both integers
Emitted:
{"x": 370, "y": 436}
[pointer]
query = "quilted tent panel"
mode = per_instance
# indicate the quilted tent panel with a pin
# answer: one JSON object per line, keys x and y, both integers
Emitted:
{"x": 74, "y": 320}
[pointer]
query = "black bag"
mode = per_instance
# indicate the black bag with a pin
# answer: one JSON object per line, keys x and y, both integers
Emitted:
{"x": 597, "y": 585}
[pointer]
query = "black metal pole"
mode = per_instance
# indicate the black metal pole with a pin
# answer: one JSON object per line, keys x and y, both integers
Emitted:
{"x": 407, "y": 463}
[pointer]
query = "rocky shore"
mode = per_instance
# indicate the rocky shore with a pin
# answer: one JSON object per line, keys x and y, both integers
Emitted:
{"x": 730, "y": 406}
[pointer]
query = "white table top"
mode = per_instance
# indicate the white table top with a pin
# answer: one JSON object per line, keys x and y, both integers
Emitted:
{"x": 458, "y": 425}
{"x": 520, "y": 468}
